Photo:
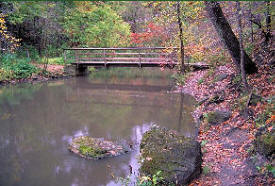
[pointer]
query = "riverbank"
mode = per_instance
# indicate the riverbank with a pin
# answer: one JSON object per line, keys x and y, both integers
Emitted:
{"x": 229, "y": 156}
{"x": 52, "y": 72}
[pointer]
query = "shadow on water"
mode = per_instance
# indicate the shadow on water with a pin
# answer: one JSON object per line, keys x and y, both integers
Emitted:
{"x": 35, "y": 132}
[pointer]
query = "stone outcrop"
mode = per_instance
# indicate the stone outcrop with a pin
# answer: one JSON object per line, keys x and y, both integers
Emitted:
{"x": 178, "y": 159}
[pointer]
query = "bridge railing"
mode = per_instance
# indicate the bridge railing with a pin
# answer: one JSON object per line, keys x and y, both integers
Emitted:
{"x": 139, "y": 56}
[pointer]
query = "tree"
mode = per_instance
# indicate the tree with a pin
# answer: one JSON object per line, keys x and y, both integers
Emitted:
{"x": 240, "y": 32}
{"x": 268, "y": 21}
{"x": 29, "y": 20}
{"x": 89, "y": 24}
{"x": 228, "y": 37}
{"x": 180, "y": 22}
{"x": 180, "y": 36}
{"x": 7, "y": 41}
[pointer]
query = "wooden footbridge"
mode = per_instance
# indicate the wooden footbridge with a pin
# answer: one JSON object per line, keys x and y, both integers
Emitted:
{"x": 81, "y": 58}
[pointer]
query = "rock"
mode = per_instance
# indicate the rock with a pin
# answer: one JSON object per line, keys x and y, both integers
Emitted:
{"x": 218, "y": 97}
{"x": 221, "y": 77}
{"x": 217, "y": 117}
{"x": 265, "y": 141}
{"x": 95, "y": 148}
{"x": 177, "y": 158}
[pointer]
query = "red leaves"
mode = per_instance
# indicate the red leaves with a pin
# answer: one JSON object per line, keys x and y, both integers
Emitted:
{"x": 152, "y": 34}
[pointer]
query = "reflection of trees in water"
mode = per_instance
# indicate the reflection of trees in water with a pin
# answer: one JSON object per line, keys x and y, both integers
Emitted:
{"x": 51, "y": 163}
{"x": 13, "y": 95}
{"x": 180, "y": 112}
{"x": 185, "y": 120}
{"x": 33, "y": 146}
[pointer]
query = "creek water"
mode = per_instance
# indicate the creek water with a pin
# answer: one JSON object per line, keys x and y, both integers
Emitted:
{"x": 37, "y": 121}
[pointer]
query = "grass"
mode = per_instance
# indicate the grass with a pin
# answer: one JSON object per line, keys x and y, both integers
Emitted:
{"x": 53, "y": 60}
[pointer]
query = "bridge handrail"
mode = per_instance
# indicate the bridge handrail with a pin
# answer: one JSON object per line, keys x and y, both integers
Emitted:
{"x": 129, "y": 48}
{"x": 164, "y": 55}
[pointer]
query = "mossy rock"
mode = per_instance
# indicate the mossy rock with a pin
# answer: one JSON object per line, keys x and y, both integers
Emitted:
{"x": 217, "y": 117}
{"x": 177, "y": 158}
{"x": 95, "y": 148}
{"x": 265, "y": 143}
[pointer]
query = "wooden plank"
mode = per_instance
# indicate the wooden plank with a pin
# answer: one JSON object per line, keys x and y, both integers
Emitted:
{"x": 138, "y": 64}
{"x": 130, "y": 54}
{"x": 124, "y": 59}
{"x": 130, "y": 48}
{"x": 122, "y": 62}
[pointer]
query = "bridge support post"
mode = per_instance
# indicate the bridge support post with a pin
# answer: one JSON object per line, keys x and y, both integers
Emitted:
{"x": 81, "y": 70}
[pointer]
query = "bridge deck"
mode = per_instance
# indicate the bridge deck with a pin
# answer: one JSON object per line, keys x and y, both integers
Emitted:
{"x": 137, "y": 64}
{"x": 123, "y": 64}
{"x": 128, "y": 57}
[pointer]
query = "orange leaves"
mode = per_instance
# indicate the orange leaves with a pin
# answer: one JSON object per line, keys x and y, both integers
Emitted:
{"x": 270, "y": 120}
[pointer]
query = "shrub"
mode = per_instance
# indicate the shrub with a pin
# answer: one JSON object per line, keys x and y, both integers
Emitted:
{"x": 12, "y": 67}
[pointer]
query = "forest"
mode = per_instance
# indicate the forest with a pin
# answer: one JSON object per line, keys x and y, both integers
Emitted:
{"x": 234, "y": 89}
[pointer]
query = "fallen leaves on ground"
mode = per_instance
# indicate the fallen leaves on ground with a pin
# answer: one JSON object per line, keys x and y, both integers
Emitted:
{"x": 224, "y": 149}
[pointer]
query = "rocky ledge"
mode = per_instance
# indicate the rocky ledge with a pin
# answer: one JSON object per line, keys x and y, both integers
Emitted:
{"x": 96, "y": 148}
{"x": 178, "y": 159}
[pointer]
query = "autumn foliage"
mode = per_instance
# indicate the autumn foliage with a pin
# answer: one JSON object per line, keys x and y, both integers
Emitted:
{"x": 7, "y": 41}
{"x": 153, "y": 35}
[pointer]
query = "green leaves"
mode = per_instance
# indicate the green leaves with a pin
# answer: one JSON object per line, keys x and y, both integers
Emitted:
{"x": 19, "y": 68}
{"x": 271, "y": 169}
{"x": 95, "y": 25}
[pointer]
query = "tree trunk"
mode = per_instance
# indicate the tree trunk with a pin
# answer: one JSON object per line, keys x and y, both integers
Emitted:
{"x": 228, "y": 37}
{"x": 181, "y": 39}
{"x": 268, "y": 21}
{"x": 251, "y": 25}
{"x": 240, "y": 32}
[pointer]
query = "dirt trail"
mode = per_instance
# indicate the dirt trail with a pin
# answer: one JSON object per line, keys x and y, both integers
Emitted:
{"x": 225, "y": 146}
{"x": 55, "y": 69}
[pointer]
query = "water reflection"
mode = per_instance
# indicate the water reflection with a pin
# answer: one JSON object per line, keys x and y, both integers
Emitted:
{"x": 35, "y": 132}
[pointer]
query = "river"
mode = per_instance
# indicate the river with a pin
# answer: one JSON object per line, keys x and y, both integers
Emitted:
{"x": 37, "y": 121}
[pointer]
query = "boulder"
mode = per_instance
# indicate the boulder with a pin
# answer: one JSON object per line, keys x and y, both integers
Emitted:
{"x": 95, "y": 148}
{"x": 217, "y": 117}
{"x": 178, "y": 159}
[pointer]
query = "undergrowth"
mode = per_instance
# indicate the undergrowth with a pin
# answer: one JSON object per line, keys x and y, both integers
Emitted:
{"x": 13, "y": 67}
